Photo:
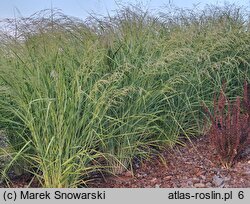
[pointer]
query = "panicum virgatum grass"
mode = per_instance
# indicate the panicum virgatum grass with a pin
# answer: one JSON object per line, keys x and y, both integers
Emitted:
{"x": 80, "y": 97}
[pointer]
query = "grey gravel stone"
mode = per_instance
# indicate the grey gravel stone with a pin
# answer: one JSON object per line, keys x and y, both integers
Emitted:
{"x": 227, "y": 178}
{"x": 190, "y": 183}
{"x": 208, "y": 185}
{"x": 157, "y": 185}
{"x": 222, "y": 185}
{"x": 217, "y": 181}
{"x": 199, "y": 185}
{"x": 196, "y": 180}
{"x": 246, "y": 152}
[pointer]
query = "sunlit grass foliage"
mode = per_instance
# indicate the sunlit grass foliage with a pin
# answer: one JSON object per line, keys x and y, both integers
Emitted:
{"x": 80, "y": 97}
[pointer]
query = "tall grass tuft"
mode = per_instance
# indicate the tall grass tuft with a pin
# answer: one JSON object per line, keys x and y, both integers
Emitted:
{"x": 80, "y": 97}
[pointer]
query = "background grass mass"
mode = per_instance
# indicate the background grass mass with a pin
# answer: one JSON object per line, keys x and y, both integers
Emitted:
{"x": 80, "y": 97}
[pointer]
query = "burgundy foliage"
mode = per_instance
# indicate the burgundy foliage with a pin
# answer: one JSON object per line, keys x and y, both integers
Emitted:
{"x": 230, "y": 130}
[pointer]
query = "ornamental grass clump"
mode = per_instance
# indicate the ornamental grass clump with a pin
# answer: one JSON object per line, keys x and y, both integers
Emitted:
{"x": 78, "y": 97}
{"x": 230, "y": 131}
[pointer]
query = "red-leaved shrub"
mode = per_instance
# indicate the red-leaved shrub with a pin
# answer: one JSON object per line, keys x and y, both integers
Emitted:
{"x": 230, "y": 130}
